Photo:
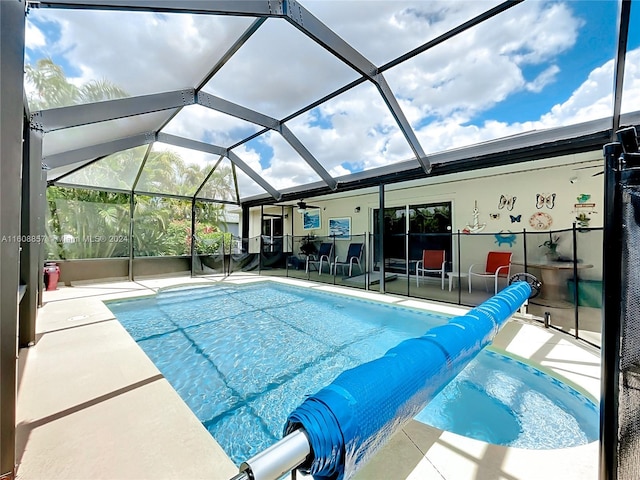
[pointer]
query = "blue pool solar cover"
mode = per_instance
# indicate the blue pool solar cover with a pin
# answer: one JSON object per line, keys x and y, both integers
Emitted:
{"x": 350, "y": 419}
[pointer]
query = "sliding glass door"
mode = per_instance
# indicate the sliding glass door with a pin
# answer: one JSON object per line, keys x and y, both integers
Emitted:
{"x": 409, "y": 229}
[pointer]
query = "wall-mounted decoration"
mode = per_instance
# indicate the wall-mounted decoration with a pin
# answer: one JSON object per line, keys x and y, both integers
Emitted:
{"x": 583, "y": 210}
{"x": 476, "y": 226}
{"x": 340, "y": 228}
{"x": 515, "y": 218}
{"x": 545, "y": 200}
{"x": 507, "y": 201}
{"x": 583, "y": 220}
{"x": 583, "y": 198}
{"x": 311, "y": 219}
{"x": 540, "y": 221}
{"x": 505, "y": 237}
{"x": 494, "y": 216}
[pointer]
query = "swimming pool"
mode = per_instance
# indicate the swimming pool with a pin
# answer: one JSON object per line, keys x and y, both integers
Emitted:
{"x": 243, "y": 357}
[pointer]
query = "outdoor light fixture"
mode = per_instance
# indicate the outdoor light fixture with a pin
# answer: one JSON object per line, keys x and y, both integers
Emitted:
{"x": 628, "y": 137}
{"x": 356, "y": 210}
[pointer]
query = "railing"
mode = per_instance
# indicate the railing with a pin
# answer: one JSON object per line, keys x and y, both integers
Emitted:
{"x": 568, "y": 262}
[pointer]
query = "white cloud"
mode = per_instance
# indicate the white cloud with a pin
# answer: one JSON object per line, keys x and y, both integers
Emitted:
{"x": 34, "y": 36}
{"x": 594, "y": 98}
{"x": 545, "y": 78}
{"x": 141, "y": 52}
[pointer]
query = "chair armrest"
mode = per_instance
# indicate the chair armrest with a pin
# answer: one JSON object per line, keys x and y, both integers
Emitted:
{"x": 471, "y": 268}
{"x": 418, "y": 263}
{"x": 501, "y": 267}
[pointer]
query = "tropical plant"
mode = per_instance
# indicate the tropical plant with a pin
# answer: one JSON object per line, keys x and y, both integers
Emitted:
{"x": 52, "y": 89}
{"x": 86, "y": 223}
{"x": 551, "y": 245}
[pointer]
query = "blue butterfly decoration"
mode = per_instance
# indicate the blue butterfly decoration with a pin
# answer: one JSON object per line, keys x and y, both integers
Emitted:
{"x": 516, "y": 218}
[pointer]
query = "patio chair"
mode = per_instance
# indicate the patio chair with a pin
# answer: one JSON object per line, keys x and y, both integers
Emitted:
{"x": 433, "y": 261}
{"x": 498, "y": 265}
{"x": 325, "y": 253}
{"x": 354, "y": 256}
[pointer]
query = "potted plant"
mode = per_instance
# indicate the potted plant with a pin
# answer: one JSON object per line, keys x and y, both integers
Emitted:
{"x": 307, "y": 246}
{"x": 583, "y": 220}
{"x": 552, "y": 247}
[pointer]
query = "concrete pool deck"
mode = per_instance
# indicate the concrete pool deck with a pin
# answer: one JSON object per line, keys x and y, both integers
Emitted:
{"x": 91, "y": 405}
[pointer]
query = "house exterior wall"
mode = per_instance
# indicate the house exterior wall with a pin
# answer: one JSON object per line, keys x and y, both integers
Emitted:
{"x": 567, "y": 177}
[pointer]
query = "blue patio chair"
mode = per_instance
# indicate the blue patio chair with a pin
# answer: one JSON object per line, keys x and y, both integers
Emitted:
{"x": 354, "y": 256}
{"x": 325, "y": 253}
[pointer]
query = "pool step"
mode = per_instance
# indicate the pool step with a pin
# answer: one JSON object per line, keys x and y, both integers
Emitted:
{"x": 187, "y": 294}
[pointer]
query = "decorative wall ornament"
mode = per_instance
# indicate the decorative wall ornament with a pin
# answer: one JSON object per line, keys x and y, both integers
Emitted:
{"x": 583, "y": 220}
{"x": 494, "y": 216}
{"x": 340, "y": 228}
{"x": 545, "y": 200}
{"x": 476, "y": 226}
{"x": 505, "y": 237}
{"x": 515, "y": 218}
{"x": 507, "y": 201}
{"x": 540, "y": 221}
{"x": 583, "y": 197}
{"x": 586, "y": 208}
{"x": 311, "y": 219}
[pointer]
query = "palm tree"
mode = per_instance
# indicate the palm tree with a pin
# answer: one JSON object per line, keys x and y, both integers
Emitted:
{"x": 162, "y": 225}
{"x": 52, "y": 89}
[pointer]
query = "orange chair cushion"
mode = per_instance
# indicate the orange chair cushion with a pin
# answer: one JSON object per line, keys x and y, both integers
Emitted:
{"x": 496, "y": 260}
{"x": 432, "y": 259}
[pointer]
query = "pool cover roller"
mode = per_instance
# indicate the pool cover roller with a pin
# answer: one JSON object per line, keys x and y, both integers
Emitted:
{"x": 350, "y": 419}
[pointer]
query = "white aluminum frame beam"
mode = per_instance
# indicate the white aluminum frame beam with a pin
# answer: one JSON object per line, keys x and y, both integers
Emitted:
{"x": 313, "y": 28}
{"x": 100, "y": 150}
{"x": 76, "y": 115}
{"x": 299, "y": 147}
{"x": 250, "y": 8}
{"x": 217, "y": 150}
{"x": 238, "y": 111}
{"x": 183, "y": 142}
{"x": 403, "y": 123}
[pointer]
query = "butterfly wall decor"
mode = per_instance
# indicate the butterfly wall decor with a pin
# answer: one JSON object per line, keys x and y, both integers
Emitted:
{"x": 545, "y": 199}
{"x": 507, "y": 201}
{"x": 515, "y": 218}
{"x": 494, "y": 216}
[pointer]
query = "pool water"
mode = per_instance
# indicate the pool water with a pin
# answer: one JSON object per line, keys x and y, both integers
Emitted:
{"x": 243, "y": 357}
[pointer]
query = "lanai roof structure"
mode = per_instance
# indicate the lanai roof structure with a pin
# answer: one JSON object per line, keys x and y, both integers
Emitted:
{"x": 288, "y": 99}
{"x": 305, "y": 98}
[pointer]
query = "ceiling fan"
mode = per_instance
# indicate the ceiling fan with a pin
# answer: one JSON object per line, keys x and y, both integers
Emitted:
{"x": 302, "y": 206}
{"x": 593, "y": 166}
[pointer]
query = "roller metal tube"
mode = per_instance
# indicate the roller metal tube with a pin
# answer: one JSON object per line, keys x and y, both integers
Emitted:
{"x": 278, "y": 459}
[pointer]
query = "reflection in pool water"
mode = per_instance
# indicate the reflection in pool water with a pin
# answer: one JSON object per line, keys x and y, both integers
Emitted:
{"x": 243, "y": 357}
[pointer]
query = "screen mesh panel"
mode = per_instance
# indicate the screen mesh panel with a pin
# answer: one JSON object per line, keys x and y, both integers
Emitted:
{"x": 629, "y": 376}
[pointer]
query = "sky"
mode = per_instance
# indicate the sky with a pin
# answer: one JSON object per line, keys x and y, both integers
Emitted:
{"x": 541, "y": 64}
